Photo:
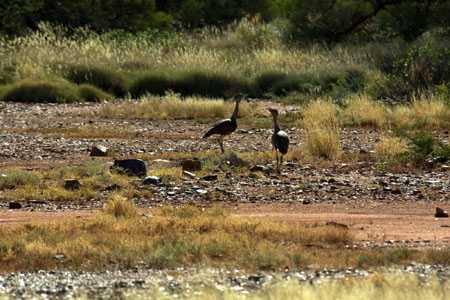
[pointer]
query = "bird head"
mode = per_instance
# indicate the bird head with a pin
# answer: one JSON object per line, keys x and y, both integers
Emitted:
{"x": 273, "y": 111}
{"x": 239, "y": 97}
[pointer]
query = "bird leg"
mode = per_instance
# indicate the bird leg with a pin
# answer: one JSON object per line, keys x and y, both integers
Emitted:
{"x": 276, "y": 155}
{"x": 281, "y": 161}
{"x": 221, "y": 144}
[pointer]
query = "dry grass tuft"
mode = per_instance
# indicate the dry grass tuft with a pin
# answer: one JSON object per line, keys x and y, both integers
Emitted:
{"x": 422, "y": 113}
{"x": 361, "y": 111}
{"x": 322, "y": 126}
{"x": 377, "y": 286}
{"x": 13, "y": 178}
{"x": 120, "y": 207}
{"x": 184, "y": 236}
{"x": 173, "y": 107}
{"x": 390, "y": 148}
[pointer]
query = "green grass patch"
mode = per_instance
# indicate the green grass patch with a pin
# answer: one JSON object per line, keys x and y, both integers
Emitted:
{"x": 101, "y": 77}
{"x": 40, "y": 91}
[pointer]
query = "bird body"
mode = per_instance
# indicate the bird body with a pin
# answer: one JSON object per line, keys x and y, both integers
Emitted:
{"x": 225, "y": 126}
{"x": 280, "y": 139}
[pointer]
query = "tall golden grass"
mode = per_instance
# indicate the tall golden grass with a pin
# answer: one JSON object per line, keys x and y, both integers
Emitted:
{"x": 322, "y": 130}
{"x": 173, "y": 107}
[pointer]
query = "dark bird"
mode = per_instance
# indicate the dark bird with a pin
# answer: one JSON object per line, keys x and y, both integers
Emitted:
{"x": 226, "y": 126}
{"x": 280, "y": 139}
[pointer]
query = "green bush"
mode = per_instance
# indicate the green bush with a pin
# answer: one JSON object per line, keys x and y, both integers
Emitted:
{"x": 40, "y": 91}
{"x": 265, "y": 82}
{"x": 209, "y": 85}
{"x": 187, "y": 84}
{"x": 91, "y": 93}
{"x": 427, "y": 62}
{"x": 151, "y": 83}
{"x": 105, "y": 79}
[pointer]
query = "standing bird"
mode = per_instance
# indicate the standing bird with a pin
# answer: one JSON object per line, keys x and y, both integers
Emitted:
{"x": 226, "y": 126}
{"x": 280, "y": 139}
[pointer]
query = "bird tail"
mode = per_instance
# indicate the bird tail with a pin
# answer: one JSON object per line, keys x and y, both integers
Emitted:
{"x": 208, "y": 133}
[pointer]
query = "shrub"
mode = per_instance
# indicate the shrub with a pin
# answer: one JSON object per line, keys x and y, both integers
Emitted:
{"x": 426, "y": 62}
{"x": 264, "y": 83}
{"x": 209, "y": 85}
{"x": 391, "y": 148}
{"x": 392, "y": 87}
{"x": 151, "y": 83}
{"x": 40, "y": 91}
{"x": 91, "y": 93}
{"x": 361, "y": 111}
{"x": 120, "y": 207}
{"x": 100, "y": 77}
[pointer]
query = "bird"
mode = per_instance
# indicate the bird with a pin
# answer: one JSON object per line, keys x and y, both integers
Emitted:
{"x": 226, "y": 126}
{"x": 280, "y": 139}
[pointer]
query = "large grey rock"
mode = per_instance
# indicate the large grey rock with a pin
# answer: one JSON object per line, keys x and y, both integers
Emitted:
{"x": 99, "y": 150}
{"x": 131, "y": 167}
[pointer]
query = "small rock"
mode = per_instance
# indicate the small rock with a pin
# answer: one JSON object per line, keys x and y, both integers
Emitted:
{"x": 201, "y": 191}
{"x": 131, "y": 167}
{"x": 189, "y": 174}
{"x": 191, "y": 165}
{"x": 99, "y": 150}
{"x": 259, "y": 168}
{"x": 440, "y": 213}
{"x": 305, "y": 202}
{"x": 152, "y": 180}
{"x": 14, "y": 205}
{"x": 72, "y": 184}
{"x": 210, "y": 177}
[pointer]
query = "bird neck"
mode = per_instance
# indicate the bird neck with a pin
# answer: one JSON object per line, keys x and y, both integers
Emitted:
{"x": 235, "y": 112}
{"x": 276, "y": 127}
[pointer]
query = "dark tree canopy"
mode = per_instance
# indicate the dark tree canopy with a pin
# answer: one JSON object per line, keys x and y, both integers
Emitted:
{"x": 324, "y": 20}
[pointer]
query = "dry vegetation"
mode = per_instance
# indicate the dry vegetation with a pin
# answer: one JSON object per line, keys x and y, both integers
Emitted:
{"x": 48, "y": 185}
{"x": 377, "y": 286}
{"x": 391, "y": 148}
{"x": 173, "y": 107}
{"x": 322, "y": 126}
{"x": 186, "y": 236}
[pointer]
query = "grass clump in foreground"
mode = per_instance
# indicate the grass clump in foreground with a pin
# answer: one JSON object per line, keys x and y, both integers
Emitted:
{"x": 185, "y": 236}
